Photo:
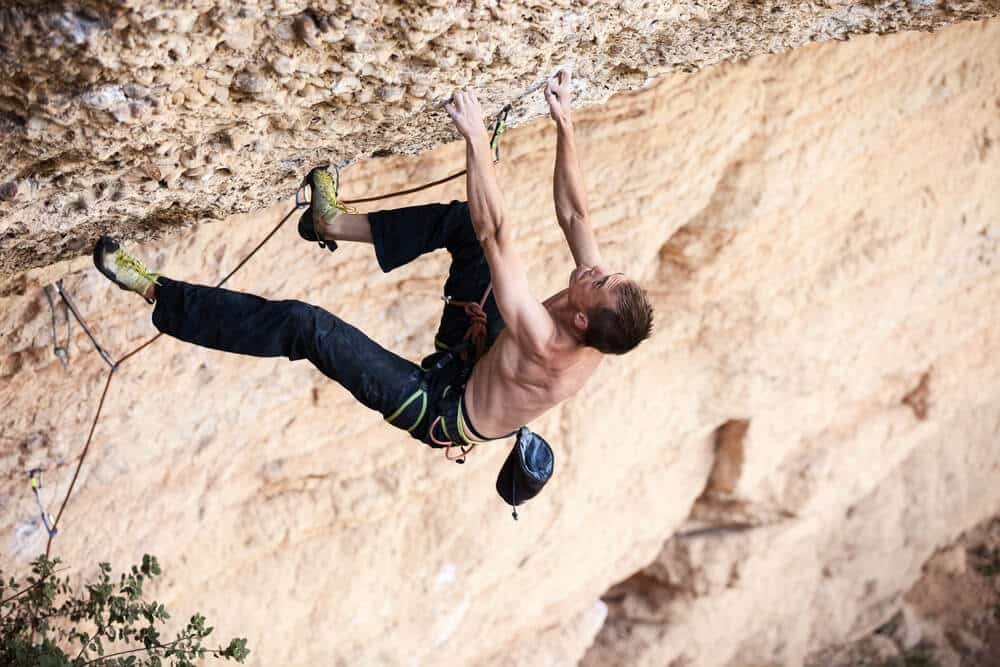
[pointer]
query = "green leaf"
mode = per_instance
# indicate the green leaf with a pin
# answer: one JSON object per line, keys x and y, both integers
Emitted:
{"x": 150, "y": 566}
{"x": 237, "y": 650}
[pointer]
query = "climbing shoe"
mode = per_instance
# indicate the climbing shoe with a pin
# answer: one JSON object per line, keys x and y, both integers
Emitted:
{"x": 308, "y": 231}
{"x": 123, "y": 269}
{"x": 324, "y": 203}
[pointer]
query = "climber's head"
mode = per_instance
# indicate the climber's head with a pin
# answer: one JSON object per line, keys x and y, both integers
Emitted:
{"x": 613, "y": 313}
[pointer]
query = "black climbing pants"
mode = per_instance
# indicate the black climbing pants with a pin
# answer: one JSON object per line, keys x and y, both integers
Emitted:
{"x": 409, "y": 396}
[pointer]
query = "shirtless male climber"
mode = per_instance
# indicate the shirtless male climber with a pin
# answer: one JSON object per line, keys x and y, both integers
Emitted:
{"x": 526, "y": 356}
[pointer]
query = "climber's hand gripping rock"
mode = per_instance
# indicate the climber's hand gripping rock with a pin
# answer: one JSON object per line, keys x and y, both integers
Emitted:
{"x": 558, "y": 95}
{"x": 467, "y": 115}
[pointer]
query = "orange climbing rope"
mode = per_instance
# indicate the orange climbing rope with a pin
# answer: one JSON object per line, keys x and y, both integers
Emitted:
{"x": 476, "y": 334}
{"x": 108, "y": 359}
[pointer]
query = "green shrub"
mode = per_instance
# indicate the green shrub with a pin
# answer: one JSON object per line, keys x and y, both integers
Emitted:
{"x": 43, "y": 623}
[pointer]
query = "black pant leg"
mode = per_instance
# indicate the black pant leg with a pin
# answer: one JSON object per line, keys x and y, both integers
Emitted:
{"x": 232, "y": 321}
{"x": 401, "y": 235}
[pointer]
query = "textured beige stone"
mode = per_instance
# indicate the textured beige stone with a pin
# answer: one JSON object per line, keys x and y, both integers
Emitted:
{"x": 87, "y": 88}
{"x": 819, "y": 232}
{"x": 949, "y": 562}
{"x": 873, "y": 465}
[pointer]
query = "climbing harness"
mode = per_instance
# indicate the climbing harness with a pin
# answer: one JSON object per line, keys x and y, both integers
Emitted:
{"x": 463, "y": 450}
{"x": 500, "y": 126}
{"x": 35, "y": 477}
{"x": 476, "y": 338}
{"x": 456, "y": 383}
{"x": 61, "y": 351}
{"x": 422, "y": 395}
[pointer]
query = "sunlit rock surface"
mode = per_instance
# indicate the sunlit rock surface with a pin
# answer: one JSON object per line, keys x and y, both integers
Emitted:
{"x": 816, "y": 413}
{"x": 140, "y": 116}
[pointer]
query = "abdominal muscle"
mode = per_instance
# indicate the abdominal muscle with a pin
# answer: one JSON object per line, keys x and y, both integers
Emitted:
{"x": 508, "y": 389}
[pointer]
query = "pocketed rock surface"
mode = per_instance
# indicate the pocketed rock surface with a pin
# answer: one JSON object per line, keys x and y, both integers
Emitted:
{"x": 816, "y": 414}
{"x": 143, "y": 117}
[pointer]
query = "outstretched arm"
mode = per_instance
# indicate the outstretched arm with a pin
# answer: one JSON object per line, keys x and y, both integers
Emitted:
{"x": 528, "y": 321}
{"x": 567, "y": 184}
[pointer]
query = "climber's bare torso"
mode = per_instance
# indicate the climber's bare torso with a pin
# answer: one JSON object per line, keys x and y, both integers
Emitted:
{"x": 518, "y": 380}
{"x": 511, "y": 386}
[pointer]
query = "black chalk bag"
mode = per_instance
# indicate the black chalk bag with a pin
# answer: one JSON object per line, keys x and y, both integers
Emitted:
{"x": 527, "y": 468}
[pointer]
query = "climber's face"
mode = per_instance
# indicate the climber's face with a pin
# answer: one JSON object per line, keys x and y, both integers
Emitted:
{"x": 592, "y": 287}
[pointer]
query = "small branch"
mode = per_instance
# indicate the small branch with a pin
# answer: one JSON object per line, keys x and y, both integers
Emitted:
{"x": 87, "y": 643}
{"x": 22, "y": 592}
{"x": 136, "y": 650}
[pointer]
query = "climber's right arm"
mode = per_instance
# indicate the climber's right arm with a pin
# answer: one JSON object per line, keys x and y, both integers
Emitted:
{"x": 524, "y": 316}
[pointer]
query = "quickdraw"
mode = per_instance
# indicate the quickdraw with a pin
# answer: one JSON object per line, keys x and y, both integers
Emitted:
{"x": 61, "y": 351}
{"x": 35, "y": 477}
{"x": 76, "y": 315}
{"x": 499, "y": 127}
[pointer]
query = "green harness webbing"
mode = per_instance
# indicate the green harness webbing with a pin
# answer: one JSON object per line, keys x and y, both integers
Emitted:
{"x": 423, "y": 408}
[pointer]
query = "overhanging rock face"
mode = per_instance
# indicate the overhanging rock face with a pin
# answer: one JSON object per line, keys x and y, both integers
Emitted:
{"x": 138, "y": 116}
{"x": 816, "y": 412}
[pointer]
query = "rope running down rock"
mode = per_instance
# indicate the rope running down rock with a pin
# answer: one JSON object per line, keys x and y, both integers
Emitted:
{"x": 498, "y": 129}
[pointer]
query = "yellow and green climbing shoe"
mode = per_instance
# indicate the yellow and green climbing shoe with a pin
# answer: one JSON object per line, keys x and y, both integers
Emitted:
{"x": 324, "y": 205}
{"x": 123, "y": 269}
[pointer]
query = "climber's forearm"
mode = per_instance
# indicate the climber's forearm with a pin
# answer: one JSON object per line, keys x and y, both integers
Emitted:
{"x": 567, "y": 183}
{"x": 486, "y": 205}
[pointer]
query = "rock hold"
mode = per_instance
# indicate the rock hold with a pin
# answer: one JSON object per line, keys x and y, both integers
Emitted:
{"x": 73, "y": 27}
{"x": 306, "y": 30}
{"x": 283, "y": 66}
{"x": 8, "y": 191}
{"x": 347, "y": 84}
{"x": 252, "y": 83}
{"x": 240, "y": 37}
{"x": 104, "y": 97}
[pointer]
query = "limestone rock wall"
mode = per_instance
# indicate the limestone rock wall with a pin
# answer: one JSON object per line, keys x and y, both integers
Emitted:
{"x": 817, "y": 411}
{"x": 950, "y": 617}
{"x": 855, "y": 391}
{"x": 145, "y": 116}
